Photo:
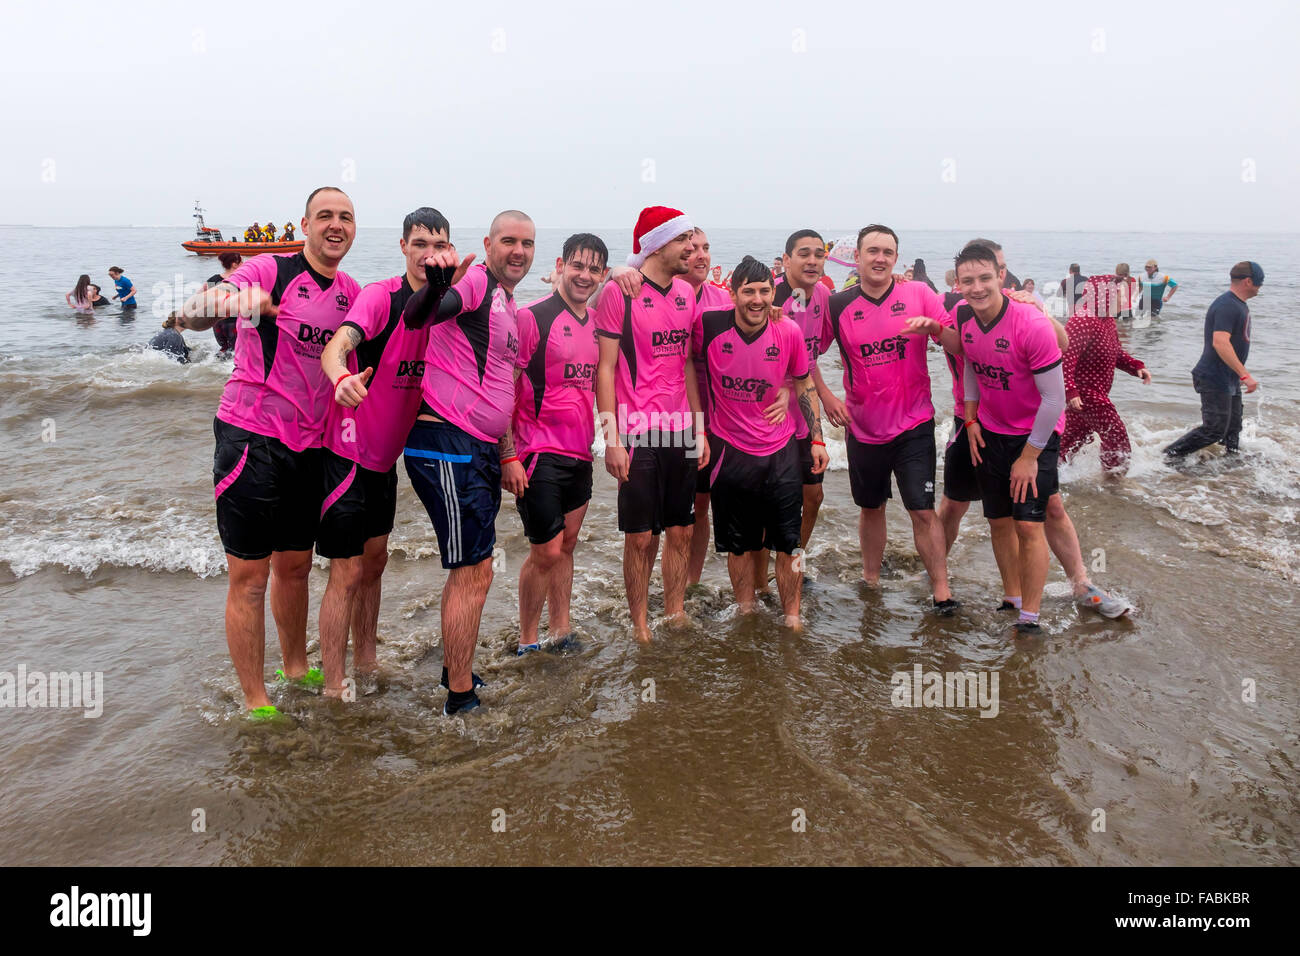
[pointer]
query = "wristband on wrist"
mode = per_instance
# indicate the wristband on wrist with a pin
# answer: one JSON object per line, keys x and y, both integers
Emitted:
{"x": 972, "y": 423}
{"x": 1246, "y": 376}
{"x": 816, "y": 442}
{"x": 341, "y": 378}
{"x": 506, "y": 461}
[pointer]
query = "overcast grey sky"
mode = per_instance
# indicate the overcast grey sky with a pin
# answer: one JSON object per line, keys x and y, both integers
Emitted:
{"x": 1094, "y": 115}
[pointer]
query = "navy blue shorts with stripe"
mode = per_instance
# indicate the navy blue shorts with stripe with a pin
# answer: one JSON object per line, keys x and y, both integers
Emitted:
{"x": 458, "y": 478}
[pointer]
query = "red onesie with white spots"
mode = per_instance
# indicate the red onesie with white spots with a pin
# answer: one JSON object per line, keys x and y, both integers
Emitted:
{"x": 1089, "y": 366}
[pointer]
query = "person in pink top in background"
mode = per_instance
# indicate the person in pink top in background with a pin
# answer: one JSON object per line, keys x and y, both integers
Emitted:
{"x": 269, "y": 429}
{"x": 377, "y": 366}
{"x": 460, "y": 442}
{"x": 1090, "y": 362}
{"x": 552, "y": 430}
{"x": 650, "y": 409}
{"x": 887, "y": 414}
{"x": 750, "y": 350}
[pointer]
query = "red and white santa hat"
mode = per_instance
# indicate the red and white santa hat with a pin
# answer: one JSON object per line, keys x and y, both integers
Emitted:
{"x": 655, "y": 228}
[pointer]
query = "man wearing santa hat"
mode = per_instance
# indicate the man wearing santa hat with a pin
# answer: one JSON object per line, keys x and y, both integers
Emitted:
{"x": 649, "y": 408}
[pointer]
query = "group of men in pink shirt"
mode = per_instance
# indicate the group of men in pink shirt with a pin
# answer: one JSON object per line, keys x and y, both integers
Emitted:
{"x": 707, "y": 399}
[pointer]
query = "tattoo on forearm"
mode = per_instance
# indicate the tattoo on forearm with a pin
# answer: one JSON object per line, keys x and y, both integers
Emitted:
{"x": 809, "y": 415}
{"x": 507, "y": 445}
{"x": 353, "y": 337}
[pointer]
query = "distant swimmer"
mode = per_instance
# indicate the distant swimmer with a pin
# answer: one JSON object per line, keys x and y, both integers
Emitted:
{"x": 1125, "y": 292}
{"x": 170, "y": 340}
{"x": 551, "y": 434}
{"x": 961, "y": 486}
{"x": 376, "y": 365}
{"x": 755, "y": 469}
{"x": 455, "y": 450}
{"x": 79, "y": 298}
{"x": 887, "y": 412}
{"x": 269, "y": 427}
{"x": 96, "y": 299}
{"x": 1089, "y": 365}
{"x": 649, "y": 408}
{"x": 1155, "y": 289}
{"x": 1015, "y": 405}
{"x": 125, "y": 290}
{"x": 1032, "y": 288}
{"x": 223, "y": 330}
{"x": 1220, "y": 374}
{"x": 1072, "y": 286}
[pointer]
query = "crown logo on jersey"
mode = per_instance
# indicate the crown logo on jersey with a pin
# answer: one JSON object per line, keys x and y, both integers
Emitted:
{"x": 648, "y": 302}
{"x": 1002, "y": 344}
{"x": 342, "y": 301}
{"x": 897, "y": 308}
{"x": 680, "y": 302}
{"x": 726, "y": 347}
{"x": 773, "y": 352}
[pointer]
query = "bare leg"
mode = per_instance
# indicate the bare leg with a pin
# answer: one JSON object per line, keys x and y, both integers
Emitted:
{"x": 462, "y": 609}
{"x": 365, "y": 611}
{"x": 950, "y": 515}
{"x": 639, "y": 552}
{"x": 1033, "y": 563}
{"x": 677, "y": 550}
{"x": 289, "y": 570}
{"x": 560, "y": 594}
{"x": 740, "y": 568}
{"x": 1006, "y": 551}
{"x": 813, "y": 495}
{"x": 542, "y": 563}
{"x": 341, "y": 593}
{"x": 871, "y": 539}
{"x": 928, "y": 534}
{"x": 246, "y": 626}
{"x": 762, "y": 561}
{"x": 699, "y": 539}
{"x": 1064, "y": 541}
{"x": 789, "y": 586}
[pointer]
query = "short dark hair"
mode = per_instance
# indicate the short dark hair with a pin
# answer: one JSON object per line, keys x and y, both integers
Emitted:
{"x": 429, "y": 218}
{"x": 1074, "y": 267}
{"x": 585, "y": 242}
{"x": 875, "y": 227}
{"x": 1240, "y": 271}
{"x": 228, "y": 259}
{"x": 750, "y": 270}
{"x": 975, "y": 252}
{"x": 306, "y": 210}
{"x": 801, "y": 234}
{"x": 114, "y": 268}
{"x": 985, "y": 242}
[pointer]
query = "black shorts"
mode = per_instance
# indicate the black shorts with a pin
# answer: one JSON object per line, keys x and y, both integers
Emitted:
{"x": 806, "y": 462}
{"x": 268, "y": 495}
{"x": 557, "y": 484}
{"x": 458, "y": 478}
{"x": 661, "y": 482}
{"x": 996, "y": 458}
{"x": 757, "y": 501}
{"x": 910, "y": 457}
{"x": 359, "y": 504}
{"x": 960, "y": 482}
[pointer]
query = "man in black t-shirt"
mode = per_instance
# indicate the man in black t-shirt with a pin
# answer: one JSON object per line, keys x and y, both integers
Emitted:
{"x": 1221, "y": 372}
{"x": 1072, "y": 286}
